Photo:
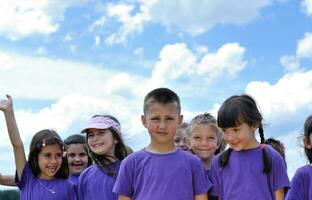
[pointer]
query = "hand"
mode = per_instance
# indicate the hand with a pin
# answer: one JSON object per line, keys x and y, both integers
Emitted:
{"x": 6, "y": 104}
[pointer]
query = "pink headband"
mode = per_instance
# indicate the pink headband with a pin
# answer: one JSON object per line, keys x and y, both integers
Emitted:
{"x": 102, "y": 122}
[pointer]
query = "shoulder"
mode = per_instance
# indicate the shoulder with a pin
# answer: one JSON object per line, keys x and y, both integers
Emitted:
{"x": 305, "y": 171}
{"x": 89, "y": 170}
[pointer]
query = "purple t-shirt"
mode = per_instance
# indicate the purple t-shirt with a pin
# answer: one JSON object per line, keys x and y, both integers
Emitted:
{"x": 94, "y": 184}
{"x": 177, "y": 175}
{"x": 33, "y": 188}
{"x": 243, "y": 177}
{"x": 73, "y": 178}
{"x": 301, "y": 184}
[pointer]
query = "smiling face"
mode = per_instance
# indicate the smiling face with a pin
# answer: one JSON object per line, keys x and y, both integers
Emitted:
{"x": 101, "y": 141}
{"x": 50, "y": 161}
{"x": 77, "y": 158}
{"x": 240, "y": 137}
{"x": 162, "y": 121}
{"x": 180, "y": 139}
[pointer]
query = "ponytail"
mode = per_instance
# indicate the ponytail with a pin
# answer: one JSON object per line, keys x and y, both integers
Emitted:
{"x": 265, "y": 157}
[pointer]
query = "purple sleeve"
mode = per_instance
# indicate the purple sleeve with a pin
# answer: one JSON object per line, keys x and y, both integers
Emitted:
{"x": 201, "y": 183}
{"x": 26, "y": 174}
{"x": 214, "y": 177}
{"x": 279, "y": 172}
{"x": 124, "y": 183}
{"x": 296, "y": 190}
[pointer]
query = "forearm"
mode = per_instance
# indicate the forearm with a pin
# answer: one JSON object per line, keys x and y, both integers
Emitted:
{"x": 7, "y": 180}
{"x": 13, "y": 129}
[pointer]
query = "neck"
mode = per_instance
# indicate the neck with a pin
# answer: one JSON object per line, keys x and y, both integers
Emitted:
{"x": 207, "y": 162}
{"x": 161, "y": 148}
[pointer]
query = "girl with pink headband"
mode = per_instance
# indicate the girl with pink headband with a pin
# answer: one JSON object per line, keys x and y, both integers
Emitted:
{"x": 107, "y": 150}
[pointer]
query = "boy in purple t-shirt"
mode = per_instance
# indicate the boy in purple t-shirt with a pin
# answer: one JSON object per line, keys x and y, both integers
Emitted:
{"x": 301, "y": 183}
{"x": 161, "y": 171}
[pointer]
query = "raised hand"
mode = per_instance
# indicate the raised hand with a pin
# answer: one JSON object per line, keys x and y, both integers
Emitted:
{"x": 6, "y": 104}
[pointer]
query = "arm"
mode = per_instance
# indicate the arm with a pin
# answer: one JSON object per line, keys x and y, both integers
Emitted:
{"x": 7, "y": 180}
{"x": 279, "y": 194}
{"x": 6, "y": 105}
{"x": 121, "y": 197}
{"x": 201, "y": 197}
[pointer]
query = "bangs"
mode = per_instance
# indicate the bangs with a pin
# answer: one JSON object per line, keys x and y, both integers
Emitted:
{"x": 229, "y": 116}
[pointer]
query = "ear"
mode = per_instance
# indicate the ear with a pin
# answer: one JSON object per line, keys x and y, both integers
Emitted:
{"x": 180, "y": 120}
{"x": 115, "y": 141}
{"x": 143, "y": 120}
{"x": 307, "y": 143}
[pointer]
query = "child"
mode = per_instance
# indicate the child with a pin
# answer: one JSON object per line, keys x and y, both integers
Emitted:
{"x": 180, "y": 138}
{"x": 277, "y": 145}
{"x": 246, "y": 170}
{"x": 77, "y": 156}
{"x": 107, "y": 150}
{"x": 44, "y": 175}
{"x": 301, "y": 183}
{"x": 161, "y": 170}
{"x": 205, "y": 138}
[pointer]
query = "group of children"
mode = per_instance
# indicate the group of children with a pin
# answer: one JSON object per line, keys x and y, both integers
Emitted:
{"x": 183, "y": 161}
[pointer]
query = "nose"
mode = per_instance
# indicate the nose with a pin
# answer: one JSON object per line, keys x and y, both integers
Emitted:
{"x": 162, "y": 124}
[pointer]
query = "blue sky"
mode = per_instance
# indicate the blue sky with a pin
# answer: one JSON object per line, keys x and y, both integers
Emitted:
{"x": 64, "y": 61}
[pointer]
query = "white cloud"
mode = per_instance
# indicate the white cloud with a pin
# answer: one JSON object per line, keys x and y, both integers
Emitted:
{"x": 45, "y": 78}
{"x": 130, "y": 24}
{"x": 291, "y": 93}
{"x": 177, "y": 60}
{"x": 306, "y": 6}
{"x": 97, "y": 40}
{"x": 193, "y": 17}
{"x": 199, "y": 16}
{"x": 290, "y": 63}
{"x": 41, "y": 50}
{"x": 304, "y": 50}
{"x": 20, "y": 19}
{"x": 304, "y": 47}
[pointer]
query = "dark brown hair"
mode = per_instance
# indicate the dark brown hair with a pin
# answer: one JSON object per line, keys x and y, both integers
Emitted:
{"x": 39, "y": 140}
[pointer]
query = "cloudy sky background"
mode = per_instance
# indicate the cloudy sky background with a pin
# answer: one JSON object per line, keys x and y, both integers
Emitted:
{"x": 64, "y": 61}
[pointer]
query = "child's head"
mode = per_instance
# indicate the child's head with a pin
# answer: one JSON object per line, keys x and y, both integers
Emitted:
{"x": 308, "y": 138}
{"x": 240, "y": 114}
{"x": 277, "y": 145}
{"x": 45, "y": 157}
{"x": 239, "y": 118}
{"x": 104, "y": 141}
{"x": 162, "y": 115}
{"x": 181, "y": 139}
{"x": 205, "y": 136}
{"x": 77, "y": 153}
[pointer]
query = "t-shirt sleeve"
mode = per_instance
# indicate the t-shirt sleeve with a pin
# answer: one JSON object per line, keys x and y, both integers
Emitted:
{"x": 26, "y": 175}
{"x": 279, "y": 172}
{"x": 124, "y": 184}
{"x": 201, "y": 183}
{"x": 214, "y": 178}
{"x": 296, "y": 190}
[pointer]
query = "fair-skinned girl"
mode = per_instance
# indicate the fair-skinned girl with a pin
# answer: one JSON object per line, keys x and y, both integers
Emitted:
{"x": 204, "y": 137}
{"x": 44, "y": 175}
{"x": 301, "y": 183}
{"x": 77, "y": 156}
{"x": 107, "y": 150}
{"x": 247, "y": 169}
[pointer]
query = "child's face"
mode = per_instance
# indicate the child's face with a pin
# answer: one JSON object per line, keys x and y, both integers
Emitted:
{"x": 50, "y": 160}
{"x": 241, "y": 137}
{"x": 162, "y": 121}
{"x": 307, "y": 141}
{"x": 77, "y": 158}
{"x": 180, "y": 139}
{"x": 101, "y": 141}
{"x": 203, "y": 141}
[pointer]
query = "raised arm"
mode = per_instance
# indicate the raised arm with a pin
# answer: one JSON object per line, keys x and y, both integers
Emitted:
{"x": 6, "y": 105}
{"x": 7, "y": 180}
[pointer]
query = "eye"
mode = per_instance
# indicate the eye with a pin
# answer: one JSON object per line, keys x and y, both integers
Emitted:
{"x": 71, "y": 155}
{"x": 154, "y": 118}
{"x": 47, "y": 155}
{"x": 82, "y": 154}
{"x": 59, "y": 155}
